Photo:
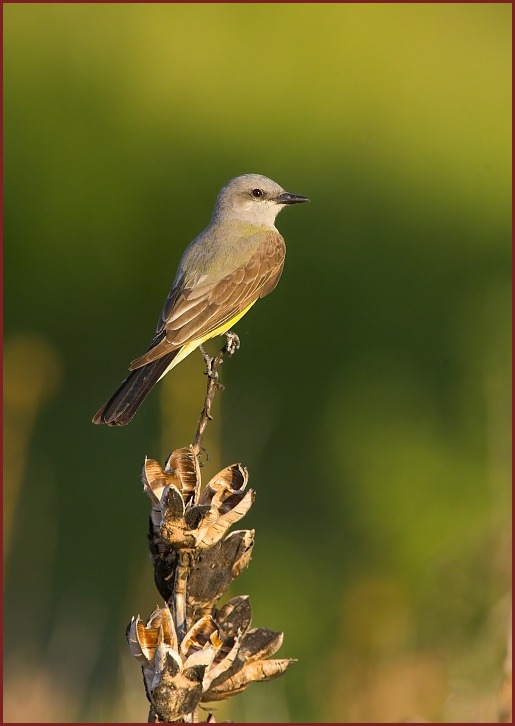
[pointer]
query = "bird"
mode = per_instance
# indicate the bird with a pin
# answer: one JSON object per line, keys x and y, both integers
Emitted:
{"x": 236, "y": 260}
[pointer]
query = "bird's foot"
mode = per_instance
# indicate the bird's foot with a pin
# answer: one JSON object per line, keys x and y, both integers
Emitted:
{"x": 232, "y": 343}
{"x": 209, "y": 364}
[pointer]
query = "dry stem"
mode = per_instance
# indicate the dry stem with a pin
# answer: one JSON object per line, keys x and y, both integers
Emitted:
{"x": 232, "y": 344}
{"x": 193, "y": 651}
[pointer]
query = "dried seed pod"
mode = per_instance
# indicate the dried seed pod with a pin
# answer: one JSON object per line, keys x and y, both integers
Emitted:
{"x": 197, "y": 652}
{"x": 177, "y": 694}
{"x": 234, "y": 617}
{"x": 183, "y": 464}
{"x": 261, "y": 670}
{"x": 215, "y": 568}
{"x": 177, "y": 520}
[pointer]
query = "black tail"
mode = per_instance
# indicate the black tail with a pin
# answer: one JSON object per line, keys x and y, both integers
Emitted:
{"x": 123, "y": 404}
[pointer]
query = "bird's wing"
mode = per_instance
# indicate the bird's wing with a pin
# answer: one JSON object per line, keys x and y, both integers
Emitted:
{"x": 196, "y": 311}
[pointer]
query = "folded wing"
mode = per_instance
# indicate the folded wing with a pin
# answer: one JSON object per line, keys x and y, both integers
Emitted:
{"x": 192, "y": 313}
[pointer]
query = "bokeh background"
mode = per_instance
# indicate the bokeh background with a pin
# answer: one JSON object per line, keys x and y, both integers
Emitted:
{"x": 371, "y": 395}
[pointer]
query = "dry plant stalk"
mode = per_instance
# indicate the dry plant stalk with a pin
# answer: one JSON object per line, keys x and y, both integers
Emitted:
{"x": 191, "y": 651}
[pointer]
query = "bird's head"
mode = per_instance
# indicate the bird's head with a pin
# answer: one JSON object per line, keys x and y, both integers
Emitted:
{"x": 254, "y": 199}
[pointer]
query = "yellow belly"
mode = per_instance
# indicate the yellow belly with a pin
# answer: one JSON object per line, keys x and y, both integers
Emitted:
{"x": 190, "y": 347}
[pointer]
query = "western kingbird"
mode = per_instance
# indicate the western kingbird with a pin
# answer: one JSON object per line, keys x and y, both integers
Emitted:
{"x": 237, "y": 259}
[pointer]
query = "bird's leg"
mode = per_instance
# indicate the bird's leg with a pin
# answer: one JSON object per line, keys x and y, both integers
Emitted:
{"x": 209, "y": 364}
{"x": 213, "y": 385}
{"x": 232, "y": 343}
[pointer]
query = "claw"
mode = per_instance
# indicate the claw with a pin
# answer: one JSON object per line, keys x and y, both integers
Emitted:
{"x": 232, "y": 343}
{"x": 209, "y": 364}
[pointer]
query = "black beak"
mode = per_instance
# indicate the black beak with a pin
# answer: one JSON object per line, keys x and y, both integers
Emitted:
{"x": 287, "y": 198}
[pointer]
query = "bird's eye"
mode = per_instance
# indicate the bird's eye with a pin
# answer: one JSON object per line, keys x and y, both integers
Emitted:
{"x": 257, "y": 193}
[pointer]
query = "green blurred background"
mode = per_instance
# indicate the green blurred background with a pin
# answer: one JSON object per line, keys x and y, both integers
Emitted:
{"x": 371, "y": 395}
